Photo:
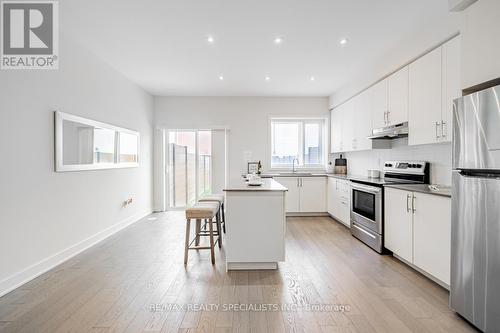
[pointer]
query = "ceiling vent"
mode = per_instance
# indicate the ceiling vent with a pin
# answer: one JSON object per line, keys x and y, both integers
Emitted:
{"x": 459, "y": 5}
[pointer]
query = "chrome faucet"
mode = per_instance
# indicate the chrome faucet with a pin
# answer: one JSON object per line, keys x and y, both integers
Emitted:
{"x": 293, "y": 164}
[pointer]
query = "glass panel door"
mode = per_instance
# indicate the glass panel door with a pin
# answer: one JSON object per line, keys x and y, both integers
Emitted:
{"x": 364, "y": 204}
{"x": 189, "y": 166}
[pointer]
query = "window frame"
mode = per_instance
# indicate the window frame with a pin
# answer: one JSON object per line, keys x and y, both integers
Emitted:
{"x": 321, "y": 121}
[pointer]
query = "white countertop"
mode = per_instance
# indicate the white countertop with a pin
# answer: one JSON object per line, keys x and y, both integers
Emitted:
{"x": 269, "y": 185}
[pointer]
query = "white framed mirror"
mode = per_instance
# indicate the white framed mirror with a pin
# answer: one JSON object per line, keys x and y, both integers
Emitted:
{"x": 85, "y": 144}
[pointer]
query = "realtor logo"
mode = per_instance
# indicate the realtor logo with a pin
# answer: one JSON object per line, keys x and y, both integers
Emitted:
{"x": 29, "y": 35}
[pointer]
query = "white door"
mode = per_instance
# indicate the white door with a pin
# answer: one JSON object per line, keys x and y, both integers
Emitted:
{"x": 312, "y": 194}
{"x": 397, "y": 97}
{"x": 336, "y": 130}
{"x": 432, "y": 235}
{"x": 292, "y": 196}
{"x": 425, "y": 99}
{"x": 379, "y": 104}
{"x": 451, "y": 84}
{"x": 398, "y": 230}
{"x": 330, "y": 205}
{"x": 362, "y": 122}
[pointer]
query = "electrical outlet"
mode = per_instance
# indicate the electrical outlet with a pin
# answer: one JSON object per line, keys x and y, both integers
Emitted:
{"x": 127, "y": 202}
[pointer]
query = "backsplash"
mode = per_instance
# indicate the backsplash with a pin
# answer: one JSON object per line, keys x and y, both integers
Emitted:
{"x": 438, "y": 155}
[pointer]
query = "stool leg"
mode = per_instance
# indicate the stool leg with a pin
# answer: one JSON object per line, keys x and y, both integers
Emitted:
{"x": 186, "y": 245}
{"x": 223, "y": 218}
{"x": 198, "y": 226}
{"x": 212, "y": 252}
{"x": 219, "y": 229}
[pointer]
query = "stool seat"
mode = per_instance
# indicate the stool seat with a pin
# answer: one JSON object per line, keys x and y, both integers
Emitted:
{"x": 213, "y": 197}
{"x": 202, "y": 210}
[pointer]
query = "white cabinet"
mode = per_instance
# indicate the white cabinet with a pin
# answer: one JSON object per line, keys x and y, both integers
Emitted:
{"x": 418, "y": 229}
{"x": 339, "y": 200}
{"x": 398, "y": 231}
{"x": 351, "y": 125}
{"x": 451, "y": 85}
{"x": 292, "y": 195}
{"x": 432, "y": 235}
{"x": 397, "y": 97}
{"x": 305, "y": 194}
{"x": 434, "y": 83}
{"x": 336, "y": 130}
{"x": 378, "y": 94}
{"x": 312, "y": 194}
{"x": 425, "y": 99}
{"x": 389, "y": 100}
{"x": 362, "y": 122}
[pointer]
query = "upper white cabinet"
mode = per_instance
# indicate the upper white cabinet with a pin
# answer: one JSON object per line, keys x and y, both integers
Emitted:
{"x": 425, "y": 99}
{"x": 451, "y": 84}
{"x": 397, "y": 97}
{"x": 362, "y": 122}
{"x": 421, "y": 93}
{"x": 389, "y": 100}
{"x": 434, "y": 83}
{"x": 378, "y": 94}
{"x": 418, "y": 230}
{"x": 336, "y": 130}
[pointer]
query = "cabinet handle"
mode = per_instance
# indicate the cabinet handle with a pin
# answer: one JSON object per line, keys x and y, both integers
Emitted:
{"x": 300, "y": 182}
{"x": 408, "y": 208}
{"x": 297, "y": 182}
{"x": 388, "y": 112}
{"x": 443, "y": 126}
{"x": 413, "y": 201}
{"x": 437, "y": 134}
{"x": 385, "y": 117}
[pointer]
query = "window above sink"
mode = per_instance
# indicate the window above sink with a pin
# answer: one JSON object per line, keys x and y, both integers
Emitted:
{"x": 298, "y": 143}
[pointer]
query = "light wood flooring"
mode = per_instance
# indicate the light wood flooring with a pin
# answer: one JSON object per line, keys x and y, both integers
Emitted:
{"x": 128, "y": 283}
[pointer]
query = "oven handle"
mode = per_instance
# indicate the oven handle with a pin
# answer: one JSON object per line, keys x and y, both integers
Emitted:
{"x": 369, "y": 189}
{"x": 363, "y": 231}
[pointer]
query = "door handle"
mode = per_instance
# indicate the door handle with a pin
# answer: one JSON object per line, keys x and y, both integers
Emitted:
{"x": 443, "y": 126}
{"x": 408, "y": 208}
{"x": 413, "y": 206}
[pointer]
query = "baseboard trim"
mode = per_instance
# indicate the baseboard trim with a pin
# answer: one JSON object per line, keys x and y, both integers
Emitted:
{"x": 306, "y": 214}
{"x": 18, "y": 279}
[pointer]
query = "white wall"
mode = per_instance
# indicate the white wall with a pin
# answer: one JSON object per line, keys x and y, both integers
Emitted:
{"x": 438, "y": 155}
{"x": 246, "y": 117}
{"x": 47, "y": 216}
{"x": 480, "y": 46}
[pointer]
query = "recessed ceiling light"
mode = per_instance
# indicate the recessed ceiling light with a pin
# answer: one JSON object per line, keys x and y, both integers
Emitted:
{"x": 210, "y": 39}
{"x": 343, "y": 41}
{"x": 312, "y": 78}
{"x": 221, "y": 77}
{"x": 278, "y": 40}
{"x": 268, "y": 78}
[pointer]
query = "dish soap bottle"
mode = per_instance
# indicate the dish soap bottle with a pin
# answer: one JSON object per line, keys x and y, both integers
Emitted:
{"x": 259, "y": 168}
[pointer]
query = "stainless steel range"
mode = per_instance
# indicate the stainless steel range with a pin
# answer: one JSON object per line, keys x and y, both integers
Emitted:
{"x": 367, "y": 199}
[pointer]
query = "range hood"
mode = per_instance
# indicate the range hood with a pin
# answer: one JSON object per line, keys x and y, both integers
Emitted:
{"x": 390, "y": 132}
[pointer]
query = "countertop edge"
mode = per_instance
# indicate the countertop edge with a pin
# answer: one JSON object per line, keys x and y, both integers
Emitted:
{"x": 411, "y": 188}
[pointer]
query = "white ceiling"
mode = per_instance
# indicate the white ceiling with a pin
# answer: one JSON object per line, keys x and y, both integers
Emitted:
{"x": 162, "y": 44}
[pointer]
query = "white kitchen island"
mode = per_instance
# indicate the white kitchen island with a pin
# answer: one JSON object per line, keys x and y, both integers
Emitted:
{"x": 255, "y": 226}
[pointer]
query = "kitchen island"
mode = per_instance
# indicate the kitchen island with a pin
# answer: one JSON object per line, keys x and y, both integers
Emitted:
{"x": 256, "y": 223}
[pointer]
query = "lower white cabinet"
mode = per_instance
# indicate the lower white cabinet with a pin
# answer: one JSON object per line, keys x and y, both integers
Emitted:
{"x": 305, "y": 194}
{"x": 418, "y": 229}
{"x": 339, "y": 204}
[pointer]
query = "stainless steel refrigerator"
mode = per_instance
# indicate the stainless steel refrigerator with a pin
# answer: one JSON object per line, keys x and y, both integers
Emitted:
{"x": 475, "y": 234}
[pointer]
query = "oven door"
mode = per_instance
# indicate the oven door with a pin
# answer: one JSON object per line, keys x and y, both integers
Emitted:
{"x": 366, "y": 206}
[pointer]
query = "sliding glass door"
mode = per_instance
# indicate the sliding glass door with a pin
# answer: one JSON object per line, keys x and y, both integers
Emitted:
{"x": 189, "y": 166}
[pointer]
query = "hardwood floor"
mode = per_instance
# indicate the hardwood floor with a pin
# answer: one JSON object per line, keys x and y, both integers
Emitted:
{"x": 129, "y": 283}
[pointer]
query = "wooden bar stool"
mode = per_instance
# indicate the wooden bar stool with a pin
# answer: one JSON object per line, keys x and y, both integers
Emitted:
{"x": 202, "y": 211}
{"x": 219, "y": 198}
